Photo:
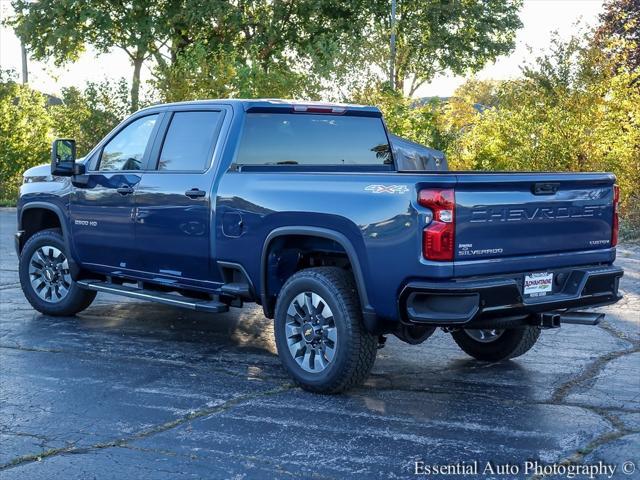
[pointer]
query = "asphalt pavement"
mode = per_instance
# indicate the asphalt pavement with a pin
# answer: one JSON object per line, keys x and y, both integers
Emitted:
{"x": 139, "y": 390}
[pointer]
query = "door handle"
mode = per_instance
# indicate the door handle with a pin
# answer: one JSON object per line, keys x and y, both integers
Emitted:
{"x": 195, "y": 193}
{"x": 124, "y": 190}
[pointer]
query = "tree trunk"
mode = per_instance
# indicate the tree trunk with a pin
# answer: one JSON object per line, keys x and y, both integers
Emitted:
{"x": 135, "y": 83}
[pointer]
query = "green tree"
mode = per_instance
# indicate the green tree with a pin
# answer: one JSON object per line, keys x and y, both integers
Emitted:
{"x": 619, "y": 32}
{"x": 28, "y": 124}
{"x": 261, "y": 48}
{"x": 437, "y": 36}
{"x": 200, "y": 73}
{"x": 571, "y": 111}
{"x": 61, "y": 29}
{"x": 404, "y": 116}
{"x": 25, "y": 130}
{"x": 460, "y": 111}
{"x": 88, "y": 115}
{"x": 267, "y": 44}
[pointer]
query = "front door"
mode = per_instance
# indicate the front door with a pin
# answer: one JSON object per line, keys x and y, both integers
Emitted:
{"x": 173, "y": 201}
{"x": 102, "y": 209}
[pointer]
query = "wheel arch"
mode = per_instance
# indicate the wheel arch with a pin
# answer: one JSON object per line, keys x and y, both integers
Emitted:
{"x": 37, "y": 216}
{"x": 321, "y": 233}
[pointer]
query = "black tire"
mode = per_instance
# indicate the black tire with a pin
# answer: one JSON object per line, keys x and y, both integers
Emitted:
{"x": 75, "y": 300}
{"x": 511, "y": 344}
{"x": 355, "y": 348}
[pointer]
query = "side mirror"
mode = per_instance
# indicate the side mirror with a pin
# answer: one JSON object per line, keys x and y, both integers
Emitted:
{"x": 63, "y": 157}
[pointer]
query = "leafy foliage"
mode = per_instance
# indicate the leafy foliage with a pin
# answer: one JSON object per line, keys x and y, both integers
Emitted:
{"x": 406, "y": 117}
{"x": 435, "y": 37}
{"x": 619, "y": 33}
{"x": 25, "y": 130}
{"x": 570, "y": 112}
{"x": 87, "y": 116}
{"x": 28, "y": 124}
{"x": 199, "y": 73}
{"x": 259, "y": 48}
{"x": 269, "y": 46}
{"x": 61, "y": 29}
{"x": 298, "y": 47}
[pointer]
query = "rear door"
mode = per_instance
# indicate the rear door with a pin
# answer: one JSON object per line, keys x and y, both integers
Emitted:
{"x": 173, "y": 200}
{"x": 101, "y": 208}
{"x": 509, "y": 215}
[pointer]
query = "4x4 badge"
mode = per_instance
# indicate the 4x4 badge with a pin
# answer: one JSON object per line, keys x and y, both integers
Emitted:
{"x": 387, "y": 188}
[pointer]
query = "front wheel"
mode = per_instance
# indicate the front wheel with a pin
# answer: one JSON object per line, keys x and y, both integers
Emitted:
{"x": 321, "y": 339}
{"x": 493, "y": 345}
{"x": 45, "y": 278}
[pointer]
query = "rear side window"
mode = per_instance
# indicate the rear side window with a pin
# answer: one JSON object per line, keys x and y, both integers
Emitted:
{"x": 303, "y": 139}
{"x": 189, "y": 142}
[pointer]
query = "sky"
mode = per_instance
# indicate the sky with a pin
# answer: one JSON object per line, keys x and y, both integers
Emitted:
{"x": 539, "y": 17}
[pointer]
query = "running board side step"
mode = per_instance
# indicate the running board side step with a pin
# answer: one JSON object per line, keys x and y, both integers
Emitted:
{"x": 210, "y": 306}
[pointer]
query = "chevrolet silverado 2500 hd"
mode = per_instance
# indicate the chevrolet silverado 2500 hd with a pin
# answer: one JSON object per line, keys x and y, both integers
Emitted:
{"x": 341, "y": 231}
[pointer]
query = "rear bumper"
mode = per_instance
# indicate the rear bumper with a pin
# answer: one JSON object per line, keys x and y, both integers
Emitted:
{"x": 467, "y": 302}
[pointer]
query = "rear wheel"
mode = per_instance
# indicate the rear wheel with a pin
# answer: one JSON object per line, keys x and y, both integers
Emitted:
{"x": 493, "y": 345}
{"x": 45, "y": 277}
{"x": 321, "y": 339}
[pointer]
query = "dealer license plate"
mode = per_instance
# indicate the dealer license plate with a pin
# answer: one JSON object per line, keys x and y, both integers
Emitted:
{"x": 538, "y": 284}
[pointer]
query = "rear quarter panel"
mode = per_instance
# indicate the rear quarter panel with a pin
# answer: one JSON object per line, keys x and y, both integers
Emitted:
{"x": 377, "y": 212}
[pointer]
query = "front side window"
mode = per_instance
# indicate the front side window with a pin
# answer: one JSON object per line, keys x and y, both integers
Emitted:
{"x": 302, "y": 139}
{"x": 189, "y": 142}
{"x": 126, "y": 149}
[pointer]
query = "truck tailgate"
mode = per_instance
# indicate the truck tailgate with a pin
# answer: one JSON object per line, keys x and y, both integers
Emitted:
{"x": 516, "y": 214}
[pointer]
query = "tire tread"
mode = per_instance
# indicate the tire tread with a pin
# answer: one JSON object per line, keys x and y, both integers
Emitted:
{"x": 513, "y": 343}
{"x": 77, "y": 300}
{"x": 364, "y": 348}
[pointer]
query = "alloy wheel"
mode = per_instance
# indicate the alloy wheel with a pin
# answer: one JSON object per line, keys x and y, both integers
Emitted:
{"x": 49, "y": 274}
{"x": 311, "y": 332}
{"x": 484, "y": 335}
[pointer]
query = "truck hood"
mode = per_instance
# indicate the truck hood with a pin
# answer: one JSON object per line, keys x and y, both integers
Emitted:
{"x": 39, "y": 173}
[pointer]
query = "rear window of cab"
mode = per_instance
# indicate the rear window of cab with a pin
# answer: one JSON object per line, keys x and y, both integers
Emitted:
{"x": 304, "y": 139}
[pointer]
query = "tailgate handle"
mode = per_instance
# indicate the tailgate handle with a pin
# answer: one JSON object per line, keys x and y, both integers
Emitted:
{"x": 545, "y": 188}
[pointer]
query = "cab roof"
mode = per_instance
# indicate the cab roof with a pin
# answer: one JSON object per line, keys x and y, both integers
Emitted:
{"x": 276, "y": 105}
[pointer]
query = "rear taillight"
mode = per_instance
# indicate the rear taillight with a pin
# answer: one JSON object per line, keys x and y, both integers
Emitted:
{"x": 439, "y": 236}
{"x": 616, "y": 222}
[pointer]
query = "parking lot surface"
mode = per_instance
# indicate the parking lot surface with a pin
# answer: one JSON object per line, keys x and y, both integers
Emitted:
{"x": 140, "y": 390}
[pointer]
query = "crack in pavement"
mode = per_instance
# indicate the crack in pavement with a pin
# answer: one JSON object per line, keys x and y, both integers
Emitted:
{"x": 613, "y": 331}
{"x": 588, "y": 374}
{"x": 577, "y": 457}
{"x": 595, "y": 367}
{"x": 147, "y": 432}
{"x": 557, "y": 399}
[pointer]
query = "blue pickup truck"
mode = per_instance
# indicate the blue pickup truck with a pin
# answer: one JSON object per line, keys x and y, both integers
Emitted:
{"x": 342, "y": 232}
